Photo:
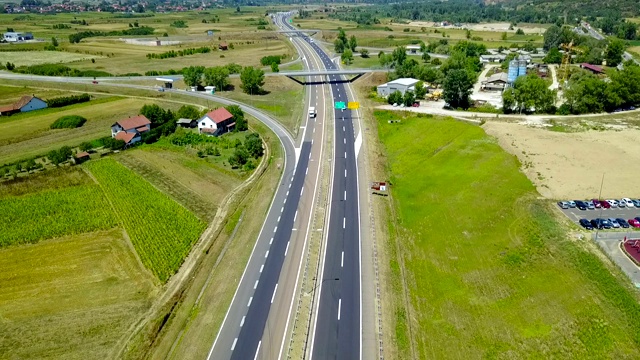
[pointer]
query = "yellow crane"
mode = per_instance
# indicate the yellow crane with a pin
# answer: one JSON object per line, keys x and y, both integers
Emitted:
{"x": 566, "y": 60}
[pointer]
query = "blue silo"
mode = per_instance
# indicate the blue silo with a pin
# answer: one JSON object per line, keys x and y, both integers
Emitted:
{"x": 522, "y": 68}
{"x": 513, "y": 71}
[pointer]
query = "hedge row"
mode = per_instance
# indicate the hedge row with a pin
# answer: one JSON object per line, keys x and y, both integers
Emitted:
{"x": 173, "y": 53}
{"x": 68, "y": 100}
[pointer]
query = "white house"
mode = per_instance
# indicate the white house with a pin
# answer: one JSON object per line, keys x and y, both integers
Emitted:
{"x": 413, "y": 48}
{"x": 137, "y": 124}
{"x": 403, "y": 85}
{"x": 216, "y": 122}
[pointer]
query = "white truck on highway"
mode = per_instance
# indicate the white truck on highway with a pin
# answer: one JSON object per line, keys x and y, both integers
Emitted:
{"x": 312, "y": 111}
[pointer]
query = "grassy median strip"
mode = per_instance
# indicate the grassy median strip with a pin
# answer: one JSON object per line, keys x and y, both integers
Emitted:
{"x": 488, "y": 270}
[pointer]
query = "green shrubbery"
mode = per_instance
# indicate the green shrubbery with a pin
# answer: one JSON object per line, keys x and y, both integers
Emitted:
{"x": 173, "y": 53}
{"x": 68, "y": 122}
{"x": 68, "y": 100}
{"x": 271, "y": 59}
{"x": 143, "y": 30}
{"x": 58, "y": 70}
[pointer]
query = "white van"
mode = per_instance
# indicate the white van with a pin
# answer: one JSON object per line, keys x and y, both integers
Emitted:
{"x": 312, "y": 112}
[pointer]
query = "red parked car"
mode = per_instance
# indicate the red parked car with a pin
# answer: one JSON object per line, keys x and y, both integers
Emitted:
{"x": 635, "y": 223}
{"x": 596, "y": 203}
{"x": 605, "y": 204}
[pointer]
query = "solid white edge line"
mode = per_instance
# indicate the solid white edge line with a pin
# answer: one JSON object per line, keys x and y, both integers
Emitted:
{"x": 275, "y": 289}
{"x": 287, "y": 249}
{"x": 295, "y": 289}
{"x": 295, "y": 216}
{"x": 257, "y": 350}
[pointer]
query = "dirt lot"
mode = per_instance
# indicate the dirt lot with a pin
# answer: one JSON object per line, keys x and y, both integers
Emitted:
{"x": 570, "y": 165}
{"x": 528, "y": 29}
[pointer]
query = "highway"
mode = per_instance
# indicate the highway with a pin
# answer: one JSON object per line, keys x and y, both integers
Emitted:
{"x": 337, "y": 329}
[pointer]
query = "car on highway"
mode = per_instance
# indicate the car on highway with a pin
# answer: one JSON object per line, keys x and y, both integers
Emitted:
{"x": 563, "y": 204}
{"x": 605, "y": 204}
{"x": 596, "y": 203}
{"x": 614, "y": 223}
{"x": 613, "y": 202}
{"x": 623, "y": 223}
{"x": 572, "y": 203}
{"x": 581, "y": 204}
{"x": 635, "y": 223}
{"x": 586, "y": 224}
{"x": 628, "y": 202}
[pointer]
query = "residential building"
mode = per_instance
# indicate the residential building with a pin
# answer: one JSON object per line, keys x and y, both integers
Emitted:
{"x": 403, "y": 85}
{"x": 26, "y": 103}
{"x": 187, "y": 123}
{"x": 130, "y": 130}
{"x": 223, "y": 46}
{"x": 492, "y": 58}
{"x": 216, "y": 122}
{"x": 128, "y": 137}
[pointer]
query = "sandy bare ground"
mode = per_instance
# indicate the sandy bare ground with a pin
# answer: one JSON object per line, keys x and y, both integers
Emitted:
{"x": 528, "y": 29}
{"x": 571, "y": 165}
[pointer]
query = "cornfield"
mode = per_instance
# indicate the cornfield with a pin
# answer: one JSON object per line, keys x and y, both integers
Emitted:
{"x": 48, "y": 214}
{"x": 161, "y": 230}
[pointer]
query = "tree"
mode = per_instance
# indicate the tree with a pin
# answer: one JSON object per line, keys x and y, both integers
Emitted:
{"x": 467, "y": 34}
{"x": 519, "y": 32}
{"x": 399, "y": 55}
{"x": 347, "y": 56}
{"x": 54, "y": 41}
{"x": 614, "y": 52}
{"x": 529, "y": 93}
{"x": 238, "y": 9}
{"x": 457, "y": 88}
{"x": 253, "y": 144}
{"x": 217, "y": 76}
{"x": 421, "y": 90}
{"x": 59, "y": 156}
{"x": 274, "y": 67}
{"x": 395, "y": 98}
{"x": 436, "y": 62}
{"x": 342, "y": 35}
{"x": 85, "y": 146}
{"x": 503, "y": 36}
{"x": 409, "y": 98}
{"x": 353, "y": 43}
{"x": 364, "y": 53}
{"x": 252, "y": 80}
{"x": 238, "y": 117}
{"x": 188, "y": 112}
{"x": 156, "y": 114}
{"x": 585, "y": 93}
{"x": 553, "y": 56}
{"x": 426, "y": 57}
{"x": 385, "y": 60}
{"x": 193, "y": 75}
{"x": 239, "y": 158}
{"x": 30, "y": 165}
{"x": 338, "y": 46}
{"x": 10, "y": 66}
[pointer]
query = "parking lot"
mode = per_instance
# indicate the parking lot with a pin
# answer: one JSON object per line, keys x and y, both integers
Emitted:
{"x": 576, "y": 214}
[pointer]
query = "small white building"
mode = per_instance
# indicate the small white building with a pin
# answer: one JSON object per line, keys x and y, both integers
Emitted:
{"x": 216, "y": 122}
{"x": 413, "y": 48}
{"x": 16, "y": 36}
{"x": 403, "y": 85}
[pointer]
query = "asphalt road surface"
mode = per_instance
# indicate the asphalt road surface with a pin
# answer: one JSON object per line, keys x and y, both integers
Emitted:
{"x": 576, "y": 214}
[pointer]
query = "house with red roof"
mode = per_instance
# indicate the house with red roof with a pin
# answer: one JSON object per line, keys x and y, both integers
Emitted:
{"x": 593, "y": 68}
{"x": 130, "y": 130}
{"x": 216, "y": 122}
{"x": 26, "y": 103}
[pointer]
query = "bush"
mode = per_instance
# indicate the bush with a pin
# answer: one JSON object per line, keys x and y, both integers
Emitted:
{"x": 67, "y": 100}
{"x": 268, "y": 60}
{"x": 68, "y": 122}
{"x": 59, "y": 70}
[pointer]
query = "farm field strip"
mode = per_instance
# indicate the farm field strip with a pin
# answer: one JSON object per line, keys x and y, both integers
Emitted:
{"x": 48, "y": 214}
{"x": 488, "y": 269}
{"x": 161, "y": 230}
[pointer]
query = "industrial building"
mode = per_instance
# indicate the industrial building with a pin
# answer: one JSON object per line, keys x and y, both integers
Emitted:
{"x": 517, "y": 68}
{"x": 403, "y": 85}
{"x": 495, "y": 82}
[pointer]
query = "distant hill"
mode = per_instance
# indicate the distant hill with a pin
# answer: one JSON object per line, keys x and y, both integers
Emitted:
{"x": 622, "y": 8}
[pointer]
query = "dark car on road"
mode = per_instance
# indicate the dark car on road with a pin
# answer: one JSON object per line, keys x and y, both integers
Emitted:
{"x": 623, "y": 223}
{"x": 586, "y": 224}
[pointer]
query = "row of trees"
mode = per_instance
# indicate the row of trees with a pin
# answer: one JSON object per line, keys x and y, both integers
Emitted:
{"x": 342, "y": 43}
{"x": 174, "y": 53}
{"x": 143, "y": 30}
{"x": 252, "y": 78}
{"x": 588, "y": 49}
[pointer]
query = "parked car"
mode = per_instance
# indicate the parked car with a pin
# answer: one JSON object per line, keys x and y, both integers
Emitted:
{"x": 590, "y": 205}
{"x": 635, "y": 223}
{"x": 606, "y": 223}
{"x": 637, "y": 218}
{"x": 586, "y": 224}
{"x": 605, "y": 204}
{"x": 636, "y": 202}
{"x": 581, "y": 204}
{"x": 623, "y": 223}
{"x": 572, "y": 203}
{"x": 613, "y": 203}
{"x": 628, "y": 202}
{"x": 563, "y": 204}
{"x": 600, "y": 224}
{"x": 596, "y": 203}
{"x": 614, "y": 223}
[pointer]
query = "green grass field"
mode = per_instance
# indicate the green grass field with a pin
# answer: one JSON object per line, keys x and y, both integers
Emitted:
{"x": 488, "y": 270}
{"x": 70, "y": 298}
{"x": 161, "y": 230}
{"x": 27, "y": 135}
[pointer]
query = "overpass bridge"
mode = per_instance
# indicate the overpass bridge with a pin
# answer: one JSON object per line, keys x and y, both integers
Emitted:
{"x": 308, "y": 32}
{"x": 329, "y": 76}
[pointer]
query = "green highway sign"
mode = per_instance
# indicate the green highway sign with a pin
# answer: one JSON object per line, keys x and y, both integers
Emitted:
{"x": 341, "y": 105}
